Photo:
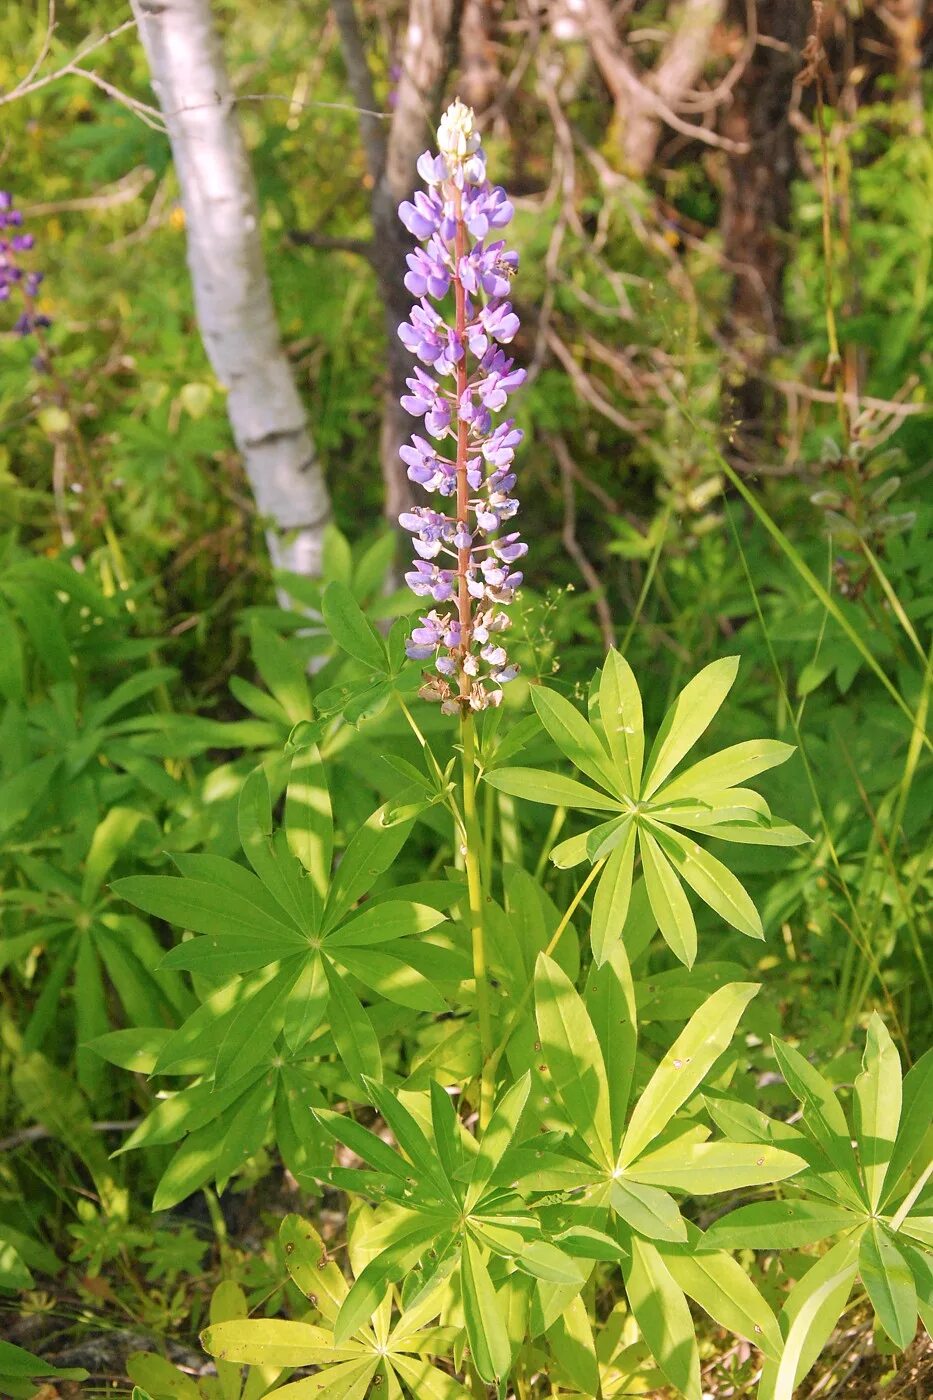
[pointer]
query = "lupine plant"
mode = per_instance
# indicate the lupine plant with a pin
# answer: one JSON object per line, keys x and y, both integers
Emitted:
{"x": 530, "y": 1152}
{"x": 17, "y": 280}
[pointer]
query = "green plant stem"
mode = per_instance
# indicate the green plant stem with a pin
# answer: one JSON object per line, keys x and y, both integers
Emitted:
{"x": 525, "y": 997}
{"x": 818, "y": 591}
{"x": 473, "y": 846}
{"x": 856, "y": 934}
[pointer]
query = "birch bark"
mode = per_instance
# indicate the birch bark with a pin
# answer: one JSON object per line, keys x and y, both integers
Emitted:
{"x": 232, "y": 296}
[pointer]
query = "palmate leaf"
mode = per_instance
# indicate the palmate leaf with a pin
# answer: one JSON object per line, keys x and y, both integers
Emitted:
{"x": 488, "y": 1336}
{"x": 286, "y": 943}
{"x": 689, "y": 716}
{"x": 620, "y": 715}
{"x": 823, "y": 1115}
{"x": 779, "y": 1225}
{"x": 344, "y": 1365}
{"x": 681, "y": 1071}
{"x": 574, "y": 737}
{"x": 663, "y": 1317}
{"x": 724, "y": 1290}
{"x": 808, "y": 1317}
{"x": 889, "y": 1284}
{"x": 877, "y": 1103}
{"x": 705, "y": 1168}
{"x": 917, "y": 1095}
{"x": 573, "y": 1056}
{"x": 657, "y": 810}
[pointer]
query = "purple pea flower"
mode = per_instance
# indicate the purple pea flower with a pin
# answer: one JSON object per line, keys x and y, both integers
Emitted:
{"x": 464, "y": 563}
{"x": 13, "y": 276}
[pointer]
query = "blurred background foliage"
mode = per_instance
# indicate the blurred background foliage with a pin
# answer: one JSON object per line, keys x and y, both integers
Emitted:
{"x": 727, "y": 451}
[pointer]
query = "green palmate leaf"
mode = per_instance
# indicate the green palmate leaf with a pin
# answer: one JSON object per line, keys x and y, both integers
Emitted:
{"x": 392, "y": 978}
{"x": 811, "y": 1312}
{"x": 269, "y": 1342}
{"x": 383, "y": 923}
{"x": 610, "y": 1001}
{"x": 620, "y": 713}
{"x": 571, "y": 1341}
{"x": 369, "y": 1290}
{"x": 688, "y": 718}
{"x": 347, "y": 1380}
{"x": 663, "y": 1318}
{"x": 309, "y": 821}
{"x": 497, "y": 1138}
{"x": 877, "y": 1106}
{"x": 823, "y": 1113}
{"x": 914, "y": 1122}
{"x": 889, "y": 1284}
{"x": 250, "y": 1028}
{"x": 357, "y": 1042}
{"x": 486, "y": 1330}
{"x": 409, "y": 1136}
{"x": 447, "y": 1132}
{"x": 778, "y": 1225}
{"x": 703, "y": 1168}
{"x": 306, "y": 1005}
{"x": 728, "y": 768}
{"x": 351, "y": 629}
{"x": 572, "y": 1053}
{"x": 576, "y": 849}
{"x": 19, "y": 1364}
{"x": 229, "y": 875}
{"x": 111, "y": 836}
{"x": 310, "y": 1266}
{"x": 537, "y": 785}
{"x": 574, "y": 737}
{"x": 216, "y": 1150}
{"x": 585, "y": 1242}
{"x": 14, "y": 1273}
{"x": 206, "y": 908}
{"x": 648, "y": 1210}
{"x": 613, "y": 892}
{"x": 669, "y": 903}
{"x": 715, "y": 885}
{"x": 702, "y": 1041}
{"x": 371, "y": 851}
{"x": 545, "y": 1261}
{"x": 156, "y": 1377}
{"x": 723, "y": 1289}
{"x": 426, "y": 1380}
{"x": 365, "y": 1144}
{"x": 283, "y": 672}
{"x": 269, "y": 854}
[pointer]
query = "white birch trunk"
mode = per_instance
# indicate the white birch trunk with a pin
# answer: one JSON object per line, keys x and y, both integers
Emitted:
{"x": 232, "y": 296}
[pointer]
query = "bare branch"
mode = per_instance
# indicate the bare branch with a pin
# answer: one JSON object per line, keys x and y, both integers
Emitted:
{"x": 644, "y": 103}
{"x": 361, "y": 85}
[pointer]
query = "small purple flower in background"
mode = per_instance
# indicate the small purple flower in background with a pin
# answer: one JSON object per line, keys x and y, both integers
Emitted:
{"x": 464, "y": 563}
{"x": 14, "y": 277}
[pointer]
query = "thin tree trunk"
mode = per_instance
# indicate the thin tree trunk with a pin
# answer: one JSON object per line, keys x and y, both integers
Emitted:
{"x": 645, "y": 100}
{"x": 233, "y": 299}
{"x": 756, "y": 205}
{"x": 425, "y": 63}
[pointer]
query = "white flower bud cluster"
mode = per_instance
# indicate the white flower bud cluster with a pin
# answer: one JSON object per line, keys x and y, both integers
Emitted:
{"x": 457, "y": 137}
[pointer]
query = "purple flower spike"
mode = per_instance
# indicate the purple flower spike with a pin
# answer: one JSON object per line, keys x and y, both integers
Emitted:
{"x": 14, "y": 278}
{"x": 464, "y": 562}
